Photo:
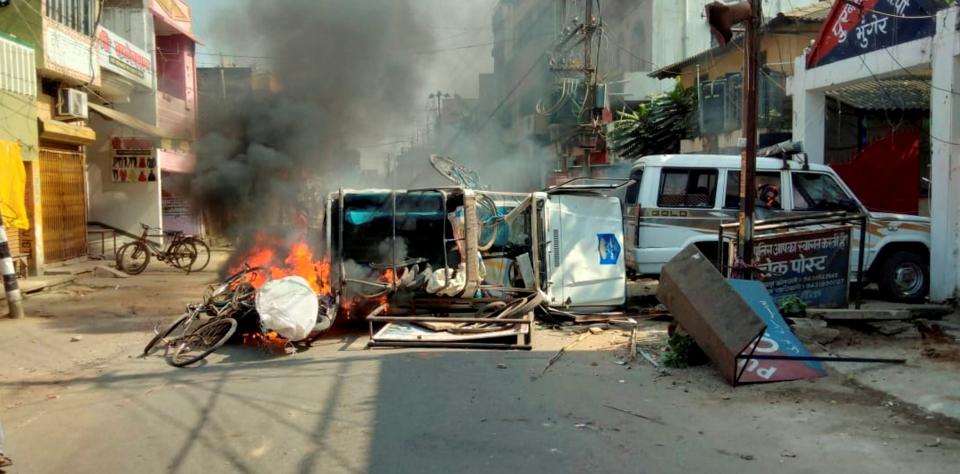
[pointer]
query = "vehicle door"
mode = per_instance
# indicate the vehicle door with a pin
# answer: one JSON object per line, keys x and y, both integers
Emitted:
{"x": 584, "y": 255}
{"x": 769, "y": 199}
{"x": 631, "y": 215}
{"x": 821, "y": 192}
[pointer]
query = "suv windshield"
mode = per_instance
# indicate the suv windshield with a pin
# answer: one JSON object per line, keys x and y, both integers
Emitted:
{"x": 820, "y": 192}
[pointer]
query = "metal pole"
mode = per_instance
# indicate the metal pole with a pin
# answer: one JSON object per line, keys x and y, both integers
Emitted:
{"x": 588, "y": 74}
{"x": 748, "y": 157}
{"x": 860, "y": 256}
{"x": 10, "y": 286}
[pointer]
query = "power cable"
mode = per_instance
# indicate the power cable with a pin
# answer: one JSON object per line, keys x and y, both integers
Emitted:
{"x": 891, "y": 15}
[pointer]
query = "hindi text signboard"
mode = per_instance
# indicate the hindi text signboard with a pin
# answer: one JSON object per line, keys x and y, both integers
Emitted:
{"x": 811, "y": 265}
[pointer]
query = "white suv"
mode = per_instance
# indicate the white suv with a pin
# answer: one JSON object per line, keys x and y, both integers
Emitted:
{"x": 678, "y": 200}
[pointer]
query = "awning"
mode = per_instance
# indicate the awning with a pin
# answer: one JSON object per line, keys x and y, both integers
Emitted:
{"x": 64, "y": 132}
{"x": 126, "y": 120}
{"x": 905, "y": 93}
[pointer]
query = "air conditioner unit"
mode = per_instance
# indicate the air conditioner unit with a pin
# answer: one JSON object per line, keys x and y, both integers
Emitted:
{"x": 72, "y": 104}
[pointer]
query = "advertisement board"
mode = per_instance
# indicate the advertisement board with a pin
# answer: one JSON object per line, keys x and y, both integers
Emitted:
{"x": 134, "y": 160}
{"x": 122, "y": 57}
{"x": 811, "y": 265}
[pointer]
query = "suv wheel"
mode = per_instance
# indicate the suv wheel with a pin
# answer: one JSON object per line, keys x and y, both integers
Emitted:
{"x": 905, "y": 276}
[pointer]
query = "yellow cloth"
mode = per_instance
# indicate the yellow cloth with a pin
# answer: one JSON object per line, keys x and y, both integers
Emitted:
{"x": 13, "y": 187}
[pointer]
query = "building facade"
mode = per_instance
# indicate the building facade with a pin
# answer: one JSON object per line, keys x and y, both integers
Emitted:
{"x": 96, "y": 91}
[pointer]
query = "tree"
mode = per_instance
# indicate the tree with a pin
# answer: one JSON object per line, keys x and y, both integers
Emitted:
{"x": 656, "y": 127}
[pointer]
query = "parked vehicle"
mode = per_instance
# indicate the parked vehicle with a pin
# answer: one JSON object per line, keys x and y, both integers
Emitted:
{"x": 678, "y": 200}
{"x": 185, "y": 252}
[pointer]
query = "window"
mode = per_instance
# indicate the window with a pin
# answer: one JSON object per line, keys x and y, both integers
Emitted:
{"x": 820, "y": 192}
{"x": 687, "y": 188}
{"x": 76, "y": 14}
{"x": 633, "y": 189}
{"x": 765, "y": 181}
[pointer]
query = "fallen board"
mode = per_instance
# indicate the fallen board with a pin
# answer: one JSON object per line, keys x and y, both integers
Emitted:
{"x": 776, "y": 340}
{"x": 709, "y": 309}
{"x": 407, "y": 332}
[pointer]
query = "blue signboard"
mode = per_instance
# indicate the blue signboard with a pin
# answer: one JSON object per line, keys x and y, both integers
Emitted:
{"x": 609, "y": 249}
{"x": 777, "y": 340}
{"x": 856, "y": 27}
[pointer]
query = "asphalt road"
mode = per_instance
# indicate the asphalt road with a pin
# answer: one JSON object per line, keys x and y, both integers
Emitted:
{"x": 92, "y": 406}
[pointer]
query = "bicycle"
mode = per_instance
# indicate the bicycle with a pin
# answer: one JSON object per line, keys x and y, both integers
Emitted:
{"x": 206, "y": 327}
{"x": 185, "y": 252}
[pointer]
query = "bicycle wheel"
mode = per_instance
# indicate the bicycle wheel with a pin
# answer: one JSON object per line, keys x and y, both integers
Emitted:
{"x": 162, "y": 335}
{"x": 183, "y": 255}
{"x": 204, "y": 340}
{"x": 202, "y": 251}
{"x": 133, "y": 258}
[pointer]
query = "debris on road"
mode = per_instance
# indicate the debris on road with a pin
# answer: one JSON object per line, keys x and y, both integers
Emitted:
{"x": 635, "y": 414}
{"x": 559, "y": 354}
{"x": 76, "y": 338}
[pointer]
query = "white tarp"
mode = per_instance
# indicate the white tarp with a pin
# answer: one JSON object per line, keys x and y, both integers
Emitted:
{"x": 288, "y": 306}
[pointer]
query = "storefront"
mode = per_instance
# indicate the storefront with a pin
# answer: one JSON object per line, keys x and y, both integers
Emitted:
{"x": 888, "y": 48}
{"x": 63, "y": 192}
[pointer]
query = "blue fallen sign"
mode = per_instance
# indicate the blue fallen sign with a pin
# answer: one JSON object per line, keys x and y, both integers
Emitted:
{"x": 777, "y": 340}
{"x": 609, "y": 249}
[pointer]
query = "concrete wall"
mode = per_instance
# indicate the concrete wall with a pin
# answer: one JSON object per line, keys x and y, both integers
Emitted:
{"x": 120, "y": 205}
{"x": 19, "y": 114}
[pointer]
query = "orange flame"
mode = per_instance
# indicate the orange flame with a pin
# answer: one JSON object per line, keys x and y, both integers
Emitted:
{"x": 283, "y": 259}
{"x": 271, "y": 341}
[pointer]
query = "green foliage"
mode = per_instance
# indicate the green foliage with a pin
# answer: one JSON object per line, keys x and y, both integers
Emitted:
{"x": 656, "y": 127}
{"x": 792, "y": 307}
{"x": 677, "y": 355}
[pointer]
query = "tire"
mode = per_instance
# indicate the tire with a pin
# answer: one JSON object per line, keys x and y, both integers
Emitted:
{"x": 129, "y": 255}
{"x": 183, "y": 256}
{"x": 905, "y": 277}
{"x": 203, "y": 341}
{"x": 164, "y": 333}
{"x": 202, "y": 252}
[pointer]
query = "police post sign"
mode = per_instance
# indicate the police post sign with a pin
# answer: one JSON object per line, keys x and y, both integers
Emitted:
{"x": 812, "y": 265}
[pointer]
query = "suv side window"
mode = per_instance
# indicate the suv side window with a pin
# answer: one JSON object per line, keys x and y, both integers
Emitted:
{"x": 764, "y": 179}
{"x": 820, "y": 192}
{"x": 687, "y": 187}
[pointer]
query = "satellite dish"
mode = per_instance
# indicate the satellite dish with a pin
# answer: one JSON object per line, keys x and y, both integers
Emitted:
{"x": 455, "y": 172}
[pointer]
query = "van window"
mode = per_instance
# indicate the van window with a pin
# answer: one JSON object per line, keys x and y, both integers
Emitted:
{"x": 766, "y": 179}
{"x": 820, "y": 192}
{"x": 633, "y": 190}
{"x": 693, "y": 187}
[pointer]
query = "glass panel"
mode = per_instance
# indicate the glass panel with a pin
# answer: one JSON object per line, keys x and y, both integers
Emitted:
{"x": 768, "y": 184}
{"x": 687, "y": 188}
{"x": 633, "y": 190}
{"x": 820, "y": 192}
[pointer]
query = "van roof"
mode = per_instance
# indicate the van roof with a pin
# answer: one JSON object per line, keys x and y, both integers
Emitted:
{"x": 718, "y": 161}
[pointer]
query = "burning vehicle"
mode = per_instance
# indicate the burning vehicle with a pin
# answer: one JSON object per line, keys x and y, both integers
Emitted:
{"x": 451, "y": 266}
{"x": 456, "y": 266}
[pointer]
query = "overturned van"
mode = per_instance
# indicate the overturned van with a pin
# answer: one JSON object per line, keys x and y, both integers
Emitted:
{"x": 441, "y": 249}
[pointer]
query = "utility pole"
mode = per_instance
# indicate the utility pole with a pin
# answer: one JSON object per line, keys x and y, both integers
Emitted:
{"x": 439, "y": 96}
{"x": 10, "y": 286}
{"x": 721, "y": 18}
{"x": 589, "y": 73}
{"x": 748, "y": 158}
